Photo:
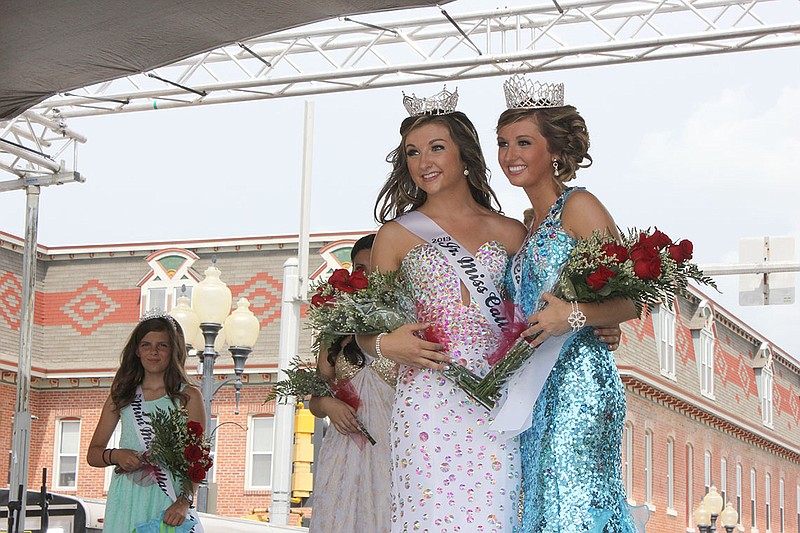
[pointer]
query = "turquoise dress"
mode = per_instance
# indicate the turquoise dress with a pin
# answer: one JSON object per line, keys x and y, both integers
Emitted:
{"x": 571, "y": 455}
{"x": 129, "y": 503}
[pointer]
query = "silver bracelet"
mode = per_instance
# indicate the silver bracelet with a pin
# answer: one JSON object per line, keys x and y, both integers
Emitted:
{"x": 378, "y": 344}
{"x": 576, "y": 318}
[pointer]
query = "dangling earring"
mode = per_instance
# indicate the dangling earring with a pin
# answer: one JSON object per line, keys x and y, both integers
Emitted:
{"x": 466, "y": 172}
{"x": 555, "y": 167}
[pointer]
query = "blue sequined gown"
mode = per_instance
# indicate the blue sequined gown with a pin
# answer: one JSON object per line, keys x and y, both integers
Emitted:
{"x": 449, "y": 474}
{"x": 571, "y": 459}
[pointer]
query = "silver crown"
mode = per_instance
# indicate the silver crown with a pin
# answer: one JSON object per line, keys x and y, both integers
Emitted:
{"x": 441, "y": 103}
{"x": 521, "y": 93}
{"x": 158, "y": 313}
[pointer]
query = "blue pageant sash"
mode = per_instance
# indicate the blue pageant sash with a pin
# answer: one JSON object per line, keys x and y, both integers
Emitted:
{"x": 470, "y": 271}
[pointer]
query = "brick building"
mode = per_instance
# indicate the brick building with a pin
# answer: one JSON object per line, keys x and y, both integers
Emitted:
{"x": 710, "y": 400}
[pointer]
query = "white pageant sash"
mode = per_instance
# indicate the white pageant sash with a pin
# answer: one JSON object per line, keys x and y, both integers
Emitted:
{"x": 470, "y": 271}
{"x": 514, "y": 412}
{"x": 145, "y": 434}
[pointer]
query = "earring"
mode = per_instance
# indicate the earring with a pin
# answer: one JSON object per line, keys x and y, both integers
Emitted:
{"x": 555, "y": 167}
{"x": 466, "y": 172}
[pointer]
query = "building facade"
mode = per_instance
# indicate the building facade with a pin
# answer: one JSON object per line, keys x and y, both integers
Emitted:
{"x": 710, "y": 401}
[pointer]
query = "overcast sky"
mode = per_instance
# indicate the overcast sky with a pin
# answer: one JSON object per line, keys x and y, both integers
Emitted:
{"x": 705, "y": 148}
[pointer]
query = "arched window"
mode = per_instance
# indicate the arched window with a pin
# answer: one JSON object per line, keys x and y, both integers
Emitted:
{"x": 702, "y": 328}
{"x": 764, "y": 381}
{"x": 170, "y": 270}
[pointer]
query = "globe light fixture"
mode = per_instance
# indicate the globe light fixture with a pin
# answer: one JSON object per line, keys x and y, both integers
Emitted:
{"x": 702, "y": 518}
{"x": 729, "y": 518}
{"x": 242, "y": 328}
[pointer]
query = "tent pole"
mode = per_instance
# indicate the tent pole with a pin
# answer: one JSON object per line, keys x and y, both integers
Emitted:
{"x": 305, "y": 200}
{"x": 22, "y": 418}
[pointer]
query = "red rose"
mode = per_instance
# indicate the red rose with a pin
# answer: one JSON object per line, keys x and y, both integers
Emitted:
{"x": 644, "y": 251}
{"x": 659, "y": 239}
{"x": 648, "y": 268}
{"x": 358, "y": 280}
{"x": 682, "y": 251}
{"x": 616, "y": 252}
{"x": 196, "y": 473}
{"x": 340, "y": 279}
{"x": 318, "y": 300}
{"x": 193, "y": 453}
{"x": 195, "y": 428}
{"x": 598, "y": 279}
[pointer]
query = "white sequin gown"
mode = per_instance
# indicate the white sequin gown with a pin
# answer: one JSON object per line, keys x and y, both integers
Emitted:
{"x": 448, "y": 473}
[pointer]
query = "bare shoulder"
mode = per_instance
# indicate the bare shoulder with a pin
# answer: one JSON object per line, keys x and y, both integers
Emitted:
{"x": 584, "y": 213}
{"x": 193, "y": 391}
{"x": 392, "y": 243}
{"x": 511, "y": 232}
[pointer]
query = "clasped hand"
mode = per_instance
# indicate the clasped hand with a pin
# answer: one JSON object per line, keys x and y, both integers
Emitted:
{"x": 552, "y": 321}
{"x": 341, "y": 415}
{"x": 405, "y": 346}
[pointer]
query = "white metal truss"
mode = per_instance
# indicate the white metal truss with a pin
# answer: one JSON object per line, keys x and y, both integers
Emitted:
{"x": 391, "y": 49}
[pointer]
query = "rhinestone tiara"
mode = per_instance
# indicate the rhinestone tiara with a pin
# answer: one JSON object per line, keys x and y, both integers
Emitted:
{"x": 158, "y": 313}
{"x": 441, "y": 103}
{"x": 521, "y": 93}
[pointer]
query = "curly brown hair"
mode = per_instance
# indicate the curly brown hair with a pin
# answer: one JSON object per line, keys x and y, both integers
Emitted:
{"x": 400, "y": 195}
{"x": 131, "y": 372}
{"x": 566, "y": 134}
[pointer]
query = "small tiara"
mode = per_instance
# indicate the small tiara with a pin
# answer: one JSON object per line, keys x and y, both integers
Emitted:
{"x": 441, "y": 103}
{"x": 158, "y": 313}
{"x": 521, "y": 93}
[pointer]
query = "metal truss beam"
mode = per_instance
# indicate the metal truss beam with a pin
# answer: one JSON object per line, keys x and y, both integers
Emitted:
{"x": 388, "y": 50}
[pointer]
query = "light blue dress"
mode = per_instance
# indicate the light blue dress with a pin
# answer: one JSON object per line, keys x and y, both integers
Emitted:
{"x": 571, "y": 455}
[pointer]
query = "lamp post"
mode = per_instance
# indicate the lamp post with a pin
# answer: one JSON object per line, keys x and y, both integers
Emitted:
{"x": 713, "y": 502}
{"x": 211, "y": 303}
{"x": 702, "y": 518}
{"x": 729, "y": 518}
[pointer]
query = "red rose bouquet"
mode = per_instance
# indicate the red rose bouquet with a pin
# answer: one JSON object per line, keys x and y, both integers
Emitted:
{"x": 646, "y": 267}
{"x": 349, "y": 304}
{"x": 178, "y": 446}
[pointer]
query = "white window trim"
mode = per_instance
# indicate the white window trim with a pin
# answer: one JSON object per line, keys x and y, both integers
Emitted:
{"x": 57, "y": 455}
{"x": 753, "y": 500}
{"x": 723, "y": 478}
{"x": 690, "y": 485}
{"x": 648, "y": 467}
{"x": 249, "y": 461}
{"x": 664, "y": 320}
{"x": 707, "y": 344}
{"x": 739, "y": 491}
{"x": 768, "y": 501}
{"x": 707, "y": 470}
{"x": 628, "y": 462}
{"x": 671, "y": 477}
{"x": 214, "y": 424}
{"x": 172, "y": 285}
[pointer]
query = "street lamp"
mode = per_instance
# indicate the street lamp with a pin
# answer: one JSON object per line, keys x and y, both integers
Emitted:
{"x": 729, "y": 518}
{"x": 713, "y": 502}
{"x": 211, "y": 303}
{"x": 702, "y": 518}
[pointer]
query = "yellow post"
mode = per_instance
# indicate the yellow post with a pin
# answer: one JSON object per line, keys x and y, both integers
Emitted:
{"x": 302, "y": 478}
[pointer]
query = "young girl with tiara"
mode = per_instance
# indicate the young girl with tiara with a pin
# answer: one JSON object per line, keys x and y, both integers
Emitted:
{"x": 151, "y": 376}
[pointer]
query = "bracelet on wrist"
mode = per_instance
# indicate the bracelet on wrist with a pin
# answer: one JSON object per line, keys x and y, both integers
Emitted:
{"x": 378, "y": 344}
{"x": 106, "y": 461}
{"x": 576, "y": 318}
{"x": 111, "y": 456}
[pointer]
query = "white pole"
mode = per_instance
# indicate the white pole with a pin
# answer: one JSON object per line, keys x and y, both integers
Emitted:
{"x": 284, "y": 411}
{"x": 22, "y": 419}
{"x": 305, "y": 201}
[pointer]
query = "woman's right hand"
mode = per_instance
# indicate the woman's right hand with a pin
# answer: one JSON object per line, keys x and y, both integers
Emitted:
{"x": 404, "y": 346}
{"x": 341, "y": 415}
{"x": 127, "y": 459}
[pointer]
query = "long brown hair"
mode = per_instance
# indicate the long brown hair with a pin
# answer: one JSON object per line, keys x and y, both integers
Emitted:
{"x": 131, "y": 372}
{"x": 400, "y": 195}
{"x": 566, "y": 134}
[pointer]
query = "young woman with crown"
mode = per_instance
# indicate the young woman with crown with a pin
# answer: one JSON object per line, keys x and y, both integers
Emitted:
{"x": 571, "y": 443}
{"x": 151, "y": 376}
{"x": 448, "y": 473}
